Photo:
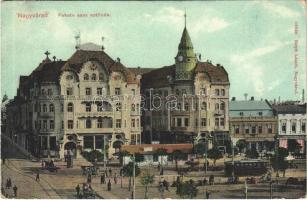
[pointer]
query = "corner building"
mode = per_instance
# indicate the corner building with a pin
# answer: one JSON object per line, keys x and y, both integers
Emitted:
{"x": 187, "y": 101}
{"x": 88, "y": 102}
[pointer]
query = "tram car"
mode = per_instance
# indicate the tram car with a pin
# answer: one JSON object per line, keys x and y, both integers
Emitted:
{"x": 250, "y": 167}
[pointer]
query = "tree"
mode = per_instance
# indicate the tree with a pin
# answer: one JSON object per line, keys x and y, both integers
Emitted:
{"x": 214, "y": 154}
{"x": 178, "y": 155}
{"x": 160, "y": 152}
{"x": 122, "y": 154}
{"x": 229, "y": 148}
{"x": 128, "y": 172}
{"x": 294, "y": 146}
{"x": 279, "y": 161}
{"x": 252, "y": 153}
{"x": 139, "y": 157}
{"x": 200, "y": 149}
{"x": 241, "y": 144}
{"x": 187, "y": 189}
{"x": 146, "y": 180}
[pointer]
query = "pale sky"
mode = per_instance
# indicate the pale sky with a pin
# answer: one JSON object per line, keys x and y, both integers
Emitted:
{"x": 253, "y": 40}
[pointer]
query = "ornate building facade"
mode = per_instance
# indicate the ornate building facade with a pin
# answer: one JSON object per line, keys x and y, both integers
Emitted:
{"x": 87, "y": 102}
{"x": 187, "y": 101}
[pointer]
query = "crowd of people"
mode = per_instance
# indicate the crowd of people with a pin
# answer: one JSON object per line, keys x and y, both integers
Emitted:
{"x": 8, "y": 186}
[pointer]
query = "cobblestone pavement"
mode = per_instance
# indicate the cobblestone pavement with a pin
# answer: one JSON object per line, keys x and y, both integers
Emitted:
{"x": 62, "y": 184}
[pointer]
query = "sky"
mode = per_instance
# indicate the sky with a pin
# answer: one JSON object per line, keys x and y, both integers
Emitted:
{"x": 253, "y": 40}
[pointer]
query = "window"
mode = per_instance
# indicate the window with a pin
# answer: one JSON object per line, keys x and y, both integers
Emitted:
{"x": 293, "y": 127}
{"x": 237, "y": 129}
{"x": 241, "y": 113}
{"x": 70, "y": 124}
{"x": 217, "y": 106}
{"x": 284, "y": 127}
{"x": 260, "y": 113}
{"x": 62, "y": 107}
{"x": 70, "y": 107}
{"x": 253, "y": 129}
{"x": 204, "y": 106}
{"x": 51, "y": 108}
{"x": 184, "y": 91}
{"x": 137, "y": 122}
{"x": 246, "y": 129}
{"x": 62, "y": 124}
{"x": 303, "y": 127}
{"x": 178, "y": 122}
{"x": 52, "y": 142}
{"x": 86, "y": 77}
{"x": 69, "y": 91}
{"x": 44, "y": 124}
{"x": 217, "y": 121}
{"x": 222, "y": 106}
{"x": 43, "y": 92}
{"x": 270, "y": 128}
{"x": 118, "y": 123}
{"x": 93, "y": 77}
{"x": 177, "y": 92}
{"x": 99, "y": 122}
{"x": 99, "y": 107}
{"x": 99, "y": 142}
{"x": 132, "y": 123}
{"x": 88, "y": 142}
{"x": 88, "y": 123}
{"x": 88, "y": 107}
{"x": 203, "y": 91}
{"x": 203, "y": 122}
{"x": 165, "y": 93}
{"x": 217, "y": 92}
{"x": 222, "y": 122}
{"x": 132, "y": 107}
{"x": 133, "y": 92}
{"x": 118, "y": 107}
{"x": 44, "y": 108}
{"x": 222, "y": 92}
{"x": 186, "y": 122}
{"x": 99, "y": 91}
{"x": 49, "y": 92}
{"x": 117, "y": 91}
{"x": 51, "y": 124}
{"x": 101, "y": 76}
{"x": 186, "y": 106}
{"x": 179, "y": 106}
{"x": 260, "y": 129}
{"x": 88, "y": 91}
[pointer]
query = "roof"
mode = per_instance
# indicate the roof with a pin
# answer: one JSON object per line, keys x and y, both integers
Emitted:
{"x": 48, "y": 71}
{"x": 151, "y": 148}
{"x": 289, "y": 109}
{"x": 140, "y": 71}
{"x": 159, "y": 77}
{"x": 250, "y": 108}
{"x": 185, "y": 42}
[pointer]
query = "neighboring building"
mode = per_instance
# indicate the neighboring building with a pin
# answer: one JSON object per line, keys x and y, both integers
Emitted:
{"x": 254, "y": 122}
{"x": 78, "y": 104}
{"x": 4, "y": 103}
{"x": 200, "y": 95}
{"x": 291, "y": 123}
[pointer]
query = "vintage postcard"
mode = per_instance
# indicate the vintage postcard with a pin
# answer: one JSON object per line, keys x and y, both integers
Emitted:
{"x": 149, "y": 99}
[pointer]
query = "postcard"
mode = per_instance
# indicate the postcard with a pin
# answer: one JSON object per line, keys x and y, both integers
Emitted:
{"x": 153, "y": 99}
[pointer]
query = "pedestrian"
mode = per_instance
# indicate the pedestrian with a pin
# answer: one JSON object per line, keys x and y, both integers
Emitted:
{"x": 3, "y": 160}
{"x": 207, "y": 194}
{"x": 115, "y": 179}
{"x": 89, "y": 178}
{"x": 102, "y": 179}
{"x": 161, "y": 172}
{"x": 9, "y": 183}
{"x": 109, "y": 185}
{"x": 110, "y": 172}
{"x": 78, "y": 190}
{"x": 42, "y": 164}
{"x": 121, "y": 172}
{"x": 37, "y": 176}
{"x": 159, "y": 167}
{"x": 166, "y": 185}
{"x": 15, "y": 190}
{"x": 65, "y": 155}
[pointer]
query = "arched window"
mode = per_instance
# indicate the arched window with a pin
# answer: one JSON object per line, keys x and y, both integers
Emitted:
{"x": 86, "y": 77}
{"x": 88, "y": 107}
{"x": 99, "y": 122}
{"x": 132, "y": 107}
{"x": 101, "y": 76}
{"x": 44, "y": 108}
{"x": 51, "y": 108}
{"x": 99, "y": 107}
{"x": 88, "y": 123}
{"x": 70, "y": 107}
{"x": 186, "y": 106}
{"x": 43, "y": 92}
{"x": 204, "y": 106}
{"x": 118, "y": 107}
{"x": 179, "y": 106}
{"x": 223, "y": 92}
{"x": 93, "y": 77}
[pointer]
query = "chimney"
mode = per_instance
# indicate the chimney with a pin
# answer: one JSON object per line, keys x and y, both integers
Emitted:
{"x": 233, "y": 98}
{"x": 245, "y": 96}
{"x": 252, "y": 99}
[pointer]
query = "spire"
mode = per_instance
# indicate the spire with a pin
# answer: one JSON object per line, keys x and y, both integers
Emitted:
{"x": 185, "y": 18}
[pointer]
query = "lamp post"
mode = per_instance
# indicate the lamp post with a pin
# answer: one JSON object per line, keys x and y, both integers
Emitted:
{"x": 133, "y": 191}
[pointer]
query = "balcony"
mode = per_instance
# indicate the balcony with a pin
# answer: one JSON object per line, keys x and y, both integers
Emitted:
{"x": 93, "y": 114}
{"x": 135, "y": 113}
{"x": 45, "y": 114}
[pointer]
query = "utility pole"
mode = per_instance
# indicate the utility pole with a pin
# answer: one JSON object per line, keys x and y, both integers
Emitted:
{"x": 206, "y": 156}
{"x": 233, "y": 162}
{"x": 245, "y": 184}
{"x": 271, "y": 189}
{"x": 104, "y": 152}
